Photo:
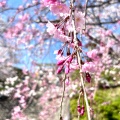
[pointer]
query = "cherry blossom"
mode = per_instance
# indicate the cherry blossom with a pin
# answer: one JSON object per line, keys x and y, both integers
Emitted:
{"x": 51, "y": 29}
{"x": 2, "y": 3}
{"x": 93, "y": 54}
{"x": 79, "y": 20}
{"x": 89, "y": 67}
{"x": 48, "y": 2}
{"x": 60, "y": 9}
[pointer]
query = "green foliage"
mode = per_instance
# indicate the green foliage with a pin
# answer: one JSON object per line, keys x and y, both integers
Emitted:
{"x": 75, "y": 75}
{"x": 73, "y": 107}
{"x": 106, "y": 105}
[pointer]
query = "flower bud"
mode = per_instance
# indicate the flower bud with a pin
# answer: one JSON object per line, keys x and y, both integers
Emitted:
{"x": 67, "y": 69}
{"x": 79, "y": 43}
{"x": 88, "y": 77}
{"x": 69, "y": 60}
{"x": 81, "y": 110}
{"x": 60, "y": 62}
{"x": 59, "y": 69}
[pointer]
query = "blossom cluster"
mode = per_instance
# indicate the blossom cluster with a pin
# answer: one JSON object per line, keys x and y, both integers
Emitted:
{"x": 67, "y": 56}
{"x": 3, "y": 4}
{"x": 64, "y": 31}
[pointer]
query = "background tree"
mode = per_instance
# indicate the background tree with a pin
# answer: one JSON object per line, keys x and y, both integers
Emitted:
{"x": 28, "y": 34}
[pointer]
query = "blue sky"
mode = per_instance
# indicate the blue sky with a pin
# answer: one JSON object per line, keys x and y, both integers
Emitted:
{"x": 15, "y": 3}
{"x": 48, "y": 57}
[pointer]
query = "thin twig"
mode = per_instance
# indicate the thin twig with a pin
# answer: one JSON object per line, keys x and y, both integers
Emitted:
{"x": 79, "y": 62}
{"x": 73, "y": 24}
{"x": 83, "y": 86}
{"x": 85, "y": 13}
{"x": 62, "y": 97}
{"x": 86, "y": 8}
{"x": 79, "y": 103}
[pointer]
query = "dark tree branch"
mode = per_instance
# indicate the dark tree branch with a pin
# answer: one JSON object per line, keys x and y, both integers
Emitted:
{"x": 102, "y": 4}
{"x": 100, "y": 23}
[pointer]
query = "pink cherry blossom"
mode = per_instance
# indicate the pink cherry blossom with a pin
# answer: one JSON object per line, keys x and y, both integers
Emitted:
{"x": 22, "y": 99}
{"x": 74, "y": 66}
{"x": 69, "y": 26}
{"x": 34, "y": 1}
{"x": 51, "y": 29}
{"x": 18, "y": 114}
{"x": 89, "y": 67}
{"x": 48, "y": 2}
{"x": 2, "y": 3}
{"x": 24, "y": 17}
{"x": 23, "y": 105}
{"x": 8, "y": 33}
{"x": 93, "y": 54}
{"x": 60, "y": 9}
{"x": 17, "y": 109}
{"x": 17, "y": 95}
{"x": 79, "y": 20}
{"x": 25, "y": 71}
{"x": 67, "y": 81}
{"x": 58, "y": 34}
{"x": 25, "y": 89}
{"x": 110, "y": 43}
{"x": 20, "y": 8}
{"x": 19, "y": 26}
